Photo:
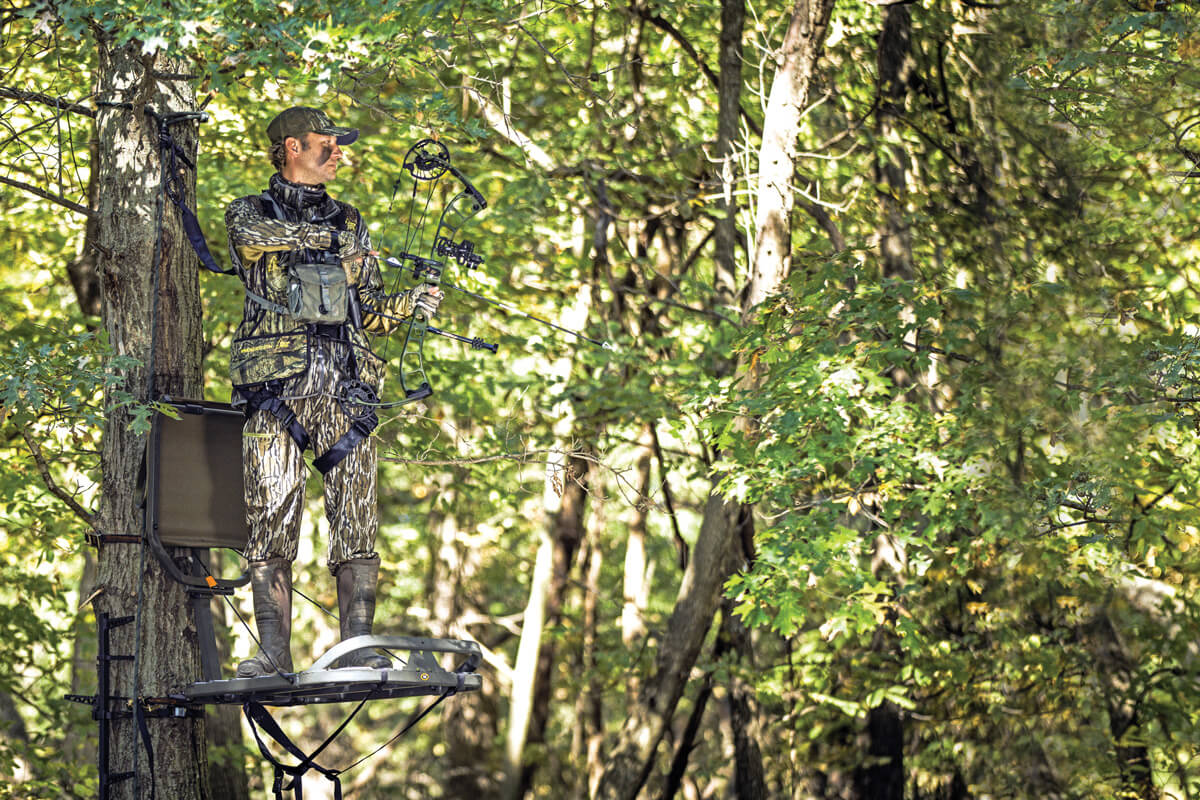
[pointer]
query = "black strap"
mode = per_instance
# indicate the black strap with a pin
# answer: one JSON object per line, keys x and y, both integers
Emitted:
{"x": 360, "y": 429}
{"x": 413, "y": 721}
{"x": 139, "y": 717}
{"x": 174, "y": 190}
{"x": 268, "y": 399}
{"x": 259, "y": 716}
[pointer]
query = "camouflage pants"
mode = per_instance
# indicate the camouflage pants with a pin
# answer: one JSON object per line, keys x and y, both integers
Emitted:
{"x": 274, "y": 470}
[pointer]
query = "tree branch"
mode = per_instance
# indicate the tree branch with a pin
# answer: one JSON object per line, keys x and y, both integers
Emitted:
{"x": 52, "y": 487}
{"x": 674, "y": 33}
{"x": 502, "y": 124}
{"x": 59, "y": 103}
{"x": 45, "y": 195}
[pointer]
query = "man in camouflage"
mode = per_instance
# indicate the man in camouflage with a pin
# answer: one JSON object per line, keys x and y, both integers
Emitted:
{"x": 309, "y": 384}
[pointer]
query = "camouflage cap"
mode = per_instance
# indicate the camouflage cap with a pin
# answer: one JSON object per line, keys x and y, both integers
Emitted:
{"x": 299, "y": 120}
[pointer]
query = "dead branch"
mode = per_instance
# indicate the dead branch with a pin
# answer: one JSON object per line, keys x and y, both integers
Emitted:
{"x": 45, "y": 195}
{"x": 59, "y": 103}
{"x": 52, "y": 486}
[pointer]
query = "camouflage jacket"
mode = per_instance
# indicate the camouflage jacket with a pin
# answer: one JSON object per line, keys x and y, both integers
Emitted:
{"x": 269, "y": 345}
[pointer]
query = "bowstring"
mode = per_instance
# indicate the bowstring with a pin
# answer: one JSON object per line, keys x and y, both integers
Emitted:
{"x": 411, "y": 233}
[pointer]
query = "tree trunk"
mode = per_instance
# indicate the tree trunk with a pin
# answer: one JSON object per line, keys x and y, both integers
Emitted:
{"x": 729, "y": 108}
{"x": 634, "y": 584}
{"x": 163, "y": 639}
{"x": 589, "y": 710}
{"x": 749, "y": 780}
{"x": 882, "y": 776}
{"x": 567, "y": 535}
{"x": 558, "y": 474}
{"x": 895, "y": 65}
{"x": 718, "y": 549}
{"x": 780, "y": 147}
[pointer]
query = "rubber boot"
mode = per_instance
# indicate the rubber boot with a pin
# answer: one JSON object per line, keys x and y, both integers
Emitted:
{"x": 356, "y": 580}
{"x": 271, "y": 582}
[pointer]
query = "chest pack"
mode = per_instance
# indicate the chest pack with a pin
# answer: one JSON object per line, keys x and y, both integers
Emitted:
{"x": 317, "y": 292}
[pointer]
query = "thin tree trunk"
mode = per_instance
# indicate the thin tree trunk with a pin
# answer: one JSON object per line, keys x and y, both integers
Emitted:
{"x": 895, "y": 65}
{"x": 718, "y": 550}
{"x": 749, "y": 780}
{"x": 777, "y": 156}
{"x": 729, "y": 107}
{"x": 588, "y": 733}
{"x": 163, "y": 638}
{"x": 568, "y": 534}
{"x": 558, "y": 474}
{"x": 634, "y": 593}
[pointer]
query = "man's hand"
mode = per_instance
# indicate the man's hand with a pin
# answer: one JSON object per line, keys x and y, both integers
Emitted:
{"x": 428, "y": 299}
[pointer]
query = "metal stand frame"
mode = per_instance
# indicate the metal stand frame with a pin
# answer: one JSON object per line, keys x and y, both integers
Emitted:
{"x": 102, "y": 703}
{"x": 421, "y": 674}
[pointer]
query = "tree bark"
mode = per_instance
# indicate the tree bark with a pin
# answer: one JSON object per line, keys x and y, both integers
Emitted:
{"x": 567, "y": 535}
{"x": 163, "y": 639}
{"x": 718, "y": 549}
{"x": 749, "y": 779}
{"x": 729, "y": 99}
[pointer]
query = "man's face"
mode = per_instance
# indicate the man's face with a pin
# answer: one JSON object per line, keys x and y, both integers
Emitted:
{"x": 313, "y": 158}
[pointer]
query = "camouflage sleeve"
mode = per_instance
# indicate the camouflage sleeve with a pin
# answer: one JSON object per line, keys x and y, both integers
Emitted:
{"x": 382, "y": 313}
{"x": 252, "y": 234}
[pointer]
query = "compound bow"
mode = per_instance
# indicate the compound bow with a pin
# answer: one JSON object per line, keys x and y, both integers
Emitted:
{"x": 426, "y": 162}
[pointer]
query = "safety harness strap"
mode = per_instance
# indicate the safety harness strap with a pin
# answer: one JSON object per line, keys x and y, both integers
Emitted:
{"x": 174, "y": 190}
{"x": 267, "y": 304}
{"x": 359, "y": 429}
{"x": 268, "y": 399}
{"x": 139, "y": 717}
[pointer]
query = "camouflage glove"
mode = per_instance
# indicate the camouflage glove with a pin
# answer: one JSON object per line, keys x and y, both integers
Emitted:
{"x": 352, "y": 255}
{"x": 425, "y": 298}
{"x": 428, "y": 300}
{"x": 400, "y": 306}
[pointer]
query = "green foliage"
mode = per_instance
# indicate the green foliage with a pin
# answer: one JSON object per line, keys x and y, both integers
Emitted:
{"x": 974, "y": 485}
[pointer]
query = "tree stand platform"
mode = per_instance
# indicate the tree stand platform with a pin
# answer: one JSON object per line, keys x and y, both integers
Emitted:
{"x": 419, "y": 674}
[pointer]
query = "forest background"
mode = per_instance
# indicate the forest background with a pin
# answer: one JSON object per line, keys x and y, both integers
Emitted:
{"x": 887, "y": 488}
